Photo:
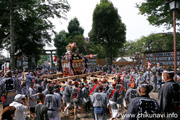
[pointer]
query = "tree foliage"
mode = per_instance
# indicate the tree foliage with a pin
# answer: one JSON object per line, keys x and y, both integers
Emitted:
{"x": 74, "y": 28}
{"x": 107, "y": 28}
{"x": 98, "y": 49}
{"x": 80, "y": 42}
{"x": 158, "y": 13}
{"x": 152, "y": 42}
{"x": 75, "y": 34}
{"x": 32, "y": 27}
{"x": 60, "y": 42}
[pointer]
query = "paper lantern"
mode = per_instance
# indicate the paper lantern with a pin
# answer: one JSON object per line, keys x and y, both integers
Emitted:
{"x": 55, "y": 58}
{"x": 91, "y": 56}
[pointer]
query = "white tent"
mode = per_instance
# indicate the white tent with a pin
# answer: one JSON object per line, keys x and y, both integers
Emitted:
{"x": 124, "y": 59}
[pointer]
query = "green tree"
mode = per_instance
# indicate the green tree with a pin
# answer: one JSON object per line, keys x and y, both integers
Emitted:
{"x": 107, "y": 29}
{"x": 95, "y": 49}
{"x": 60, "y": 42}
{"x": 31, "y": 24}
{"x": 75, "y": 34}
{"x": 80, "y": 42}
{"x": 157, "y": 12}
{"x": 74, "y": 28}
{"x": 152, "y": 42}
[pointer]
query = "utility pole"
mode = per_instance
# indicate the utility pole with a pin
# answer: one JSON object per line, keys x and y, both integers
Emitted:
{"x": 12, "y": 49}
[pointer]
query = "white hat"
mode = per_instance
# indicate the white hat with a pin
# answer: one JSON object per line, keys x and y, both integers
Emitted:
{"x": 19, "y": 97}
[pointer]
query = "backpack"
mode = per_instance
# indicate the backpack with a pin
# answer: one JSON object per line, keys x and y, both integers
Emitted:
{"x": 9, "y": 84}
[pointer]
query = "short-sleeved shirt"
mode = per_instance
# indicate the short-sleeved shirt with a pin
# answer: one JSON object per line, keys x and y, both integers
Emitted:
{"x": 41, "y": 112}
{"x": 20, "y": 109}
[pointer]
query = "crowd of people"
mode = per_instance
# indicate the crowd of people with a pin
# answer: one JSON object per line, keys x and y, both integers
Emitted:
{"x": 125, "y": 88}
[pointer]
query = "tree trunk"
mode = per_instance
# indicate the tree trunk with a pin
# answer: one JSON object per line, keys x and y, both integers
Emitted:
{"x": 12, "y": 50}
{"x": 110, "y": 56}
{"x": 29, "y": 62}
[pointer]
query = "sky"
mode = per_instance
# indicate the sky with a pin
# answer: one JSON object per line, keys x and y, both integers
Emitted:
{"x": 136, "y": 24}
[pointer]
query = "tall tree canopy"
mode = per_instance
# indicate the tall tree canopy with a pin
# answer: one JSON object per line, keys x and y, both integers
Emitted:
{"x": 32, "y": 27}
{"x": 75, "y": 34}
{"x": 108, "y": 29}
{"x": 158, "y": 13}
{"x": 152, "y": 42}
{"x": 60, "y": 42}
{"x": 74, "y": 28}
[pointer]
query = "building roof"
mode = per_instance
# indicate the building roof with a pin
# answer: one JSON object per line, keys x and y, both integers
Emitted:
{"x": 124, "y": 59}
{"x": 159, "y": 51}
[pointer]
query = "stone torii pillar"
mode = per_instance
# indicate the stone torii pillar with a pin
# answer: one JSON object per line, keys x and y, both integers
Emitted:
{"x": 51, "y": 59}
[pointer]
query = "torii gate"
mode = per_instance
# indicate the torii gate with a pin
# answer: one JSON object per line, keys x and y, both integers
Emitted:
{"x": 51, "y": 53}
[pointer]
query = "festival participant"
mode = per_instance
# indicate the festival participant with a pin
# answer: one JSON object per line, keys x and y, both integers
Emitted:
{"x": 85, "y": 80}
{"x": 32, "y": 99}
{"x": 113, "y": 95}
{"x": 45, "y": 84}
{"x": 28, "y": 80}
{"x": 66, "y": 96}
{"x": 62, "y": 87}
{"x": 143, "y": 107}
{"x": 39, "y": 73}
{"x": 94, "y": 87}
{"x": 57, "y": 93}
{"x": 139, "y": 79}
{"x": 159, "y": 71}
{"x": 169, "y": 96}
{"x": 126, "y": 77}
{"x": 147, "y": 75}
{"x": 121, "y": 91}
{"x": 39, "y": 87}
{"x": 154, "y": 78}
{"x": 77, "y": 99}
{"x": 131, "y": 93}
{"x": 134, "y": 73}
{"x": 53, "y": 103}
{"x": 8, "y": 89}
{"x": 23, "y": 89}
{"x": 85, "y": 92}
{"x": 105, "y": 85}
{"x": 21, "y": 106}
{"x": 130, "y": 81}
{"x": 41, "y": 109}
{"x": 19, "y": 80}
{"x": 100, "y": 104}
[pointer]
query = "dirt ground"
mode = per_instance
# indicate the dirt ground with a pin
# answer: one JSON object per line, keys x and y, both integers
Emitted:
{"x": 89, "y": 114}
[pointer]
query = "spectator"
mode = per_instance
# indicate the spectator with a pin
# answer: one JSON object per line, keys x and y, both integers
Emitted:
{"x": 53, "y": 103}
{"x": 32, "y": 99}
{"x": 41, "y": 109}
{"x": 20, "y": 108}
{"x": 8, "y": 113}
